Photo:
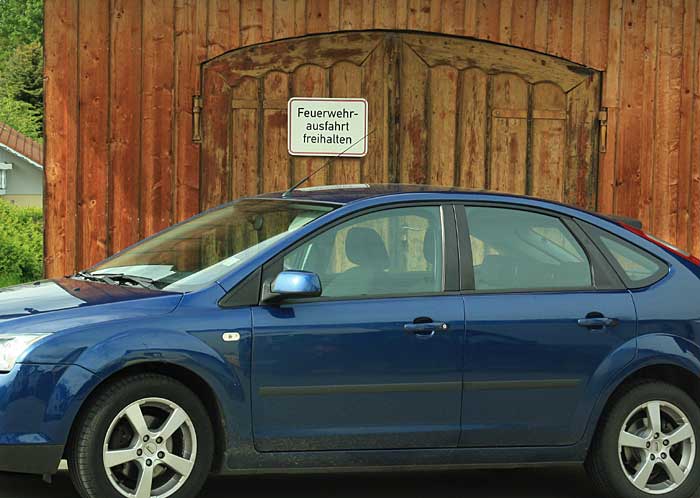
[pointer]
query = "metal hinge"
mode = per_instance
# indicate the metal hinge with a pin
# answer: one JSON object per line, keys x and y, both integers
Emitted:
{"x": 197, "y": 119}
{"x": 603, "y": 118}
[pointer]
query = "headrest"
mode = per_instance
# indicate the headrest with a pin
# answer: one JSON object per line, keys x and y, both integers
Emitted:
{"x": 429, "y": 245}
{"x": 364, "y": 247}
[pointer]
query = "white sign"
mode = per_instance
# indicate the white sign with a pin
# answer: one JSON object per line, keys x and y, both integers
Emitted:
{"x": 327, "y": 127}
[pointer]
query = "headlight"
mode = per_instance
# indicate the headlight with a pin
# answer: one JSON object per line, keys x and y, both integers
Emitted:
{"x": 12, "y": 346}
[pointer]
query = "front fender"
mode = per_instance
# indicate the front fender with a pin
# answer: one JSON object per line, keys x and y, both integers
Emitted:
{"x": 167, "y": 347}
{"x": 652, "y": 350}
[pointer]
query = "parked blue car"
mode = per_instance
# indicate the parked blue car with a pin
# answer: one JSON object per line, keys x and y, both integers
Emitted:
{"x": 356, "y": 328}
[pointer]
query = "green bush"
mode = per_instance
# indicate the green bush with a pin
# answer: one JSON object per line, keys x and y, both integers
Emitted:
{"x": 21, "y": 244}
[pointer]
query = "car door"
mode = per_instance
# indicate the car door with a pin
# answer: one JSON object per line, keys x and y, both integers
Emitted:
{"x": 545, "y": 314}
{"x": 376, "y": 361}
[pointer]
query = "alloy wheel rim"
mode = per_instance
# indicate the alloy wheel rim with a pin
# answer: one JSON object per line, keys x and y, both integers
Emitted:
{"x": 150, "y": 449}
{"x": 656, "y": 447}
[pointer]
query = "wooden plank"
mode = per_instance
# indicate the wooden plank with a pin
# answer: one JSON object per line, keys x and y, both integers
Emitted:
{"x": 524, "y": 12}
{"x": 647, "y": 164}
{"x": 275, "y": 166}
{"x": 223, "y": 26}
{"x": 309, "y": 81}
{"x": 668, "y": 101}
{"x": 345, "y": 81}
{"x": 299, "y": 17}
{"x": 578, "y": 31}
{"x": 597, "y": 22}
{"x": 93, "y": 169}
{"x": 442, "y": 125}
{"x": 268, "y": 20}
{"x": 125, "y": 113}
{"x": 488, "y": 19}
{"x": 505, "y": 22}
{"x": 156, "y": 133}
{"x": 367, "y": 14}
{"x": 317, "y": 16}
{"x": 436, "y": 15}
{"x": 251, "y": 22}
{"x": 402, "y": 14}
{"x": 245, "y": 141}
{"x": 548, "y": 144}
{"x": 190, "y": 52}
{"x": 283, "y": 19}
{"x": 560, "y": 28}
{"x": 414, "y": 138}
{"x": 385, "y": 14}
{"x": 473, "y": 124}
{"x": 629, "y": 154}
{"x": 61, "y": 145}
{"x": 419, "y": 15}
{"x": 508, "y": 145}
{"x": 216, "y": 96}
{"x": 580, "y": 178}
{"x": 494, "y": 58}
{"x": 611, "y": 100}
{"x": 694, "y": 179}
{"x": 453, "y": 17}
{"x": 375, "y": 165}
{"x": 470, "y": 17}
{"x": 541, "y": 25}
{"x": 350, "y": 14}
{"x": 687, "y": 123}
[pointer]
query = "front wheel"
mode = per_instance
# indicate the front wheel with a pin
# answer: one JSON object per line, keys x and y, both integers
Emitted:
{"x": 141, "y": 437}
{"x": 647, "y": 444}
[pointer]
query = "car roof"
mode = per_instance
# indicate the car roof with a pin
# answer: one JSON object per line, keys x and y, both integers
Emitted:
{"x": 346, "y": 194}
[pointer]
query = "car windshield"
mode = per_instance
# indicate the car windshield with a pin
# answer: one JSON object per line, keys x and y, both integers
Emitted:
{"x": 198, "y": 252}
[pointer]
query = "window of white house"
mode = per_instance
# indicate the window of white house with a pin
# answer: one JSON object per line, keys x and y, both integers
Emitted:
{"x": 4, "y": 168}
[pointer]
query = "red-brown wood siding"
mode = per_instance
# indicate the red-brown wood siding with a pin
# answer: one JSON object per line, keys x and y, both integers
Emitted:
{"x": 120, "y": 76}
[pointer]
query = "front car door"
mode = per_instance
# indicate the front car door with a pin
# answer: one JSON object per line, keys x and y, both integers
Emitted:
{"x": 376, "y": 361}
{"x": 545, "y": 313}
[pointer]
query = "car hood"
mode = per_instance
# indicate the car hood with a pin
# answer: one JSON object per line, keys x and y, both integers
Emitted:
{"x": 63, "y": 302}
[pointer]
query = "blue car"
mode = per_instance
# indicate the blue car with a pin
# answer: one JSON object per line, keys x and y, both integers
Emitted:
{"x": 361, "y": 328}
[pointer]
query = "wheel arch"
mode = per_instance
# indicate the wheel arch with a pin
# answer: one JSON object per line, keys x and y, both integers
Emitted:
{"x": 192, "y": 380}
{"x": 665, "y": 358}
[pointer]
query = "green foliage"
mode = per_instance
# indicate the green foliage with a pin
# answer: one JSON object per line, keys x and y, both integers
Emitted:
{"x": 21, "y": 66}
{"x": 21, "y": 244}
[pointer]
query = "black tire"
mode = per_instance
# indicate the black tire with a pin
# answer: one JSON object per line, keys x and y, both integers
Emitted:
{"x": 85, "y": 450}
{"x": 603, "y": 463}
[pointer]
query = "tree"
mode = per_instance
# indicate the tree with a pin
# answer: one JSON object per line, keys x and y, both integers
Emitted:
{"x": 21, "y": 23}
{"x": 22, "y": 90}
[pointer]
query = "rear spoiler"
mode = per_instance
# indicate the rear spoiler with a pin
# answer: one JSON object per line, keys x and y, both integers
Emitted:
{"x": 634, "y": 223}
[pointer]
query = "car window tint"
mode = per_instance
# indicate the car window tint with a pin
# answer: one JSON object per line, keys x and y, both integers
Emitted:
{"x": 638, "y": 266}
{"x": 392, "y": 252}
{"x": 522, "y": 250}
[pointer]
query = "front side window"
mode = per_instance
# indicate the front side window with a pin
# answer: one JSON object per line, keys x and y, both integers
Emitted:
{"x": 521, "y": 250}
{"x": 204, "y": 249}
{"x": 392, "y": 252}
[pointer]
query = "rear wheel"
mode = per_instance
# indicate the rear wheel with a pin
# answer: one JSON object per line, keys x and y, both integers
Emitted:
{"x": 141, "y": 437}
{"x": 647, "y": 444}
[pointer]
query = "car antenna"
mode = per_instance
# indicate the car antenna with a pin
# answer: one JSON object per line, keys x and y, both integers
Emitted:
{"x": 288, "y": 193}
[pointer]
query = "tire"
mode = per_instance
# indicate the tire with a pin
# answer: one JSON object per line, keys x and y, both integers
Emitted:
{"x": 636, "y": 463}
{"x": 173, "y": 444}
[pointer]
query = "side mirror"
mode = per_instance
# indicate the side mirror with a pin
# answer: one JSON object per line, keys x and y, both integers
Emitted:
{"x": 294, "y": 285}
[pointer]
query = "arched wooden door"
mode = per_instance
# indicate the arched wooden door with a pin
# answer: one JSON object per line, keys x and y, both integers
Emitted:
{"x": 443, "y": 110}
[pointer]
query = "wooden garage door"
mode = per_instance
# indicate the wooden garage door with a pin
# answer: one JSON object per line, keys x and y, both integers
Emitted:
{"x": 443, "y": 110}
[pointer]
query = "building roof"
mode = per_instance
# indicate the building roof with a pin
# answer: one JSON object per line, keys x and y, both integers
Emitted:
{"x": 21, "y": 145}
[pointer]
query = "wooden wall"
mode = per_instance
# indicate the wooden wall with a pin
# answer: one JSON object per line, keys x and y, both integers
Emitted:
{"x": 120, "y": 75}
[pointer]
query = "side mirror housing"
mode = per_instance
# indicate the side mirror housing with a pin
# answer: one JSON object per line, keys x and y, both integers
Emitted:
{"x": 294, "y": 285}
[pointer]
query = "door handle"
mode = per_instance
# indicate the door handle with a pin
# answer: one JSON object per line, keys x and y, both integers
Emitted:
{"x": 425, "y": 328}
{"x": 597, "y": 322}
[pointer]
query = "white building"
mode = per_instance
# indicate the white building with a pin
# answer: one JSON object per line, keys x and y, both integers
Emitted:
{"x": 21, "y": 168}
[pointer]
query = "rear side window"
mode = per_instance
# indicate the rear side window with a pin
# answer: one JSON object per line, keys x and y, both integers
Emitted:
{"x": 637, "y": 267}
{"x": 515, "y": 250}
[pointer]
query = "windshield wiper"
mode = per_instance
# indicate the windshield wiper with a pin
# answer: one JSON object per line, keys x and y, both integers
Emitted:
{"x": 118, "y": 279}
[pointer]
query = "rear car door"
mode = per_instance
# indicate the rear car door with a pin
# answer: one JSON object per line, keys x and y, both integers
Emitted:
{"x": 547, "y": 320}
{"x": 376, "y": 361}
